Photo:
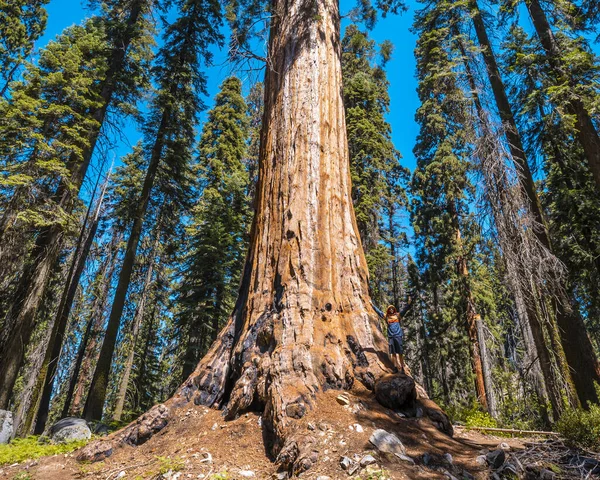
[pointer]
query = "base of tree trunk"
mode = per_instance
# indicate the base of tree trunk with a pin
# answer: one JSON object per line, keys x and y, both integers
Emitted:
{"x": 293, "y": 448}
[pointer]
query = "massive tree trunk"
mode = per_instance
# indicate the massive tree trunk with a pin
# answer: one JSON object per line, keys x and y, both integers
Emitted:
{"x": 302, "y": 322}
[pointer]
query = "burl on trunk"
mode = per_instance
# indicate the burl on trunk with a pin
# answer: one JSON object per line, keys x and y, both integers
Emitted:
{"x": 303, "y": 321}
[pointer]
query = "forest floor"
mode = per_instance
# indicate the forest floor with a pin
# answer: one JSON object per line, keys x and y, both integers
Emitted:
{"x": 199, "y": 444}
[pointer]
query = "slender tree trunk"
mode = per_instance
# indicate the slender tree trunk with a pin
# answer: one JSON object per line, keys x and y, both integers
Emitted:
{"x": 97, "y": 394}
{"x": 471, "y": 323}
{"x": 135, "y": 330}
{"x": 586, "y": 131}
{"x": 532, "y": 358}
{"x": 55, "y": 343}
{"x": 487, "y": 368}
{"x": 86, "y": 349}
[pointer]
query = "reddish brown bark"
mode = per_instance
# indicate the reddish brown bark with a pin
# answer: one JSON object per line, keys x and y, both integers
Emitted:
{"x": 302, "y": 322}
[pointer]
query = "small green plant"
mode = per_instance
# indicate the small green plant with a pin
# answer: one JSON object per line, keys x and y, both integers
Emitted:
{"x": 220, "y": 476}
{"x": 21, "y": 449}
{"x": 581, "y": 428}
{"x": 477, "y": 418}
{"x": 22, "y": 476}
{"x": 170, "y": 464}
{"x": 374, "y": 474}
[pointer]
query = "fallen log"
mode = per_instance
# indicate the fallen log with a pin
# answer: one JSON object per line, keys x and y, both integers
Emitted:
{"x": 510, "y": 430}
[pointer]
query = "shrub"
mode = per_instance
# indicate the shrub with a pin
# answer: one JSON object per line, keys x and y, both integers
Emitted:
{"x": 581, "y": 428}
{"x": 21, "y": 449}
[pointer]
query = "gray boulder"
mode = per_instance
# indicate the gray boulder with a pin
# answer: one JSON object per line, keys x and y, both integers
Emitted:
{"x": 387, "y": 442}
{"x": 6, "y": 426}
{"x": 70, "y": 429}
{"x": 396, "y": 391}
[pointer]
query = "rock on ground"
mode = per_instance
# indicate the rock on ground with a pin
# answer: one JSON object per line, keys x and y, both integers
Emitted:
{"x": 6, "y": 426}
{"x": 70, "y": 429}
{"x": 396, "y": 391}
{"x": 387, "y": 442}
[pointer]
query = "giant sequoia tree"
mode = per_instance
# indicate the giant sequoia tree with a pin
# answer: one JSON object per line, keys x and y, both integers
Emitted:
{"x": 302, "y": 321}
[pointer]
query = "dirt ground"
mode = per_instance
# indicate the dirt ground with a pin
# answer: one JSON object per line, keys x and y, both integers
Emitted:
{"x": 198, "y": 444}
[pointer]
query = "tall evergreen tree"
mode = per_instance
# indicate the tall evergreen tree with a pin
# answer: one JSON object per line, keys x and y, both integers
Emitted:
{"x": 56, "y": 96}
{"x": 117, "y": 83}
{"x": 220, "y": 223}
{"x": 374, "y": 161}
{"x": 21, "y": 24}
{"x": 446, "y": 235}
{"x": 169, "y": 137}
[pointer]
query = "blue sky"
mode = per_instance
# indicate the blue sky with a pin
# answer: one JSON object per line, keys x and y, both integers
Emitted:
{"x": 401, "y": 69}
{"x": 404, "y": 101}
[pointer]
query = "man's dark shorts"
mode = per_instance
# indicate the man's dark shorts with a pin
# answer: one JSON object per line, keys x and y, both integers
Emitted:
{"x": 396, "y": 344}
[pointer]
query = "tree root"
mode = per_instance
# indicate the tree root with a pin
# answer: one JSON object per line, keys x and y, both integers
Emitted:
{"x": 136, "y": 433}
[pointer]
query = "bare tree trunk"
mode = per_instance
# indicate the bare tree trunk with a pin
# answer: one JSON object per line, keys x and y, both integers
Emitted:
{"x": 55, "y": 342}
{"x": 135, "y": 330}
{"x": 87, "y": 345}
{"x": 487, "y": 369}
{"x": 302, "y": 319}
{"x": 471, "y": 323}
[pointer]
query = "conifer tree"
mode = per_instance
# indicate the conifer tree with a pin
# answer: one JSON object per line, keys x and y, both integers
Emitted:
{"x": 445, "y": 232}
{"x": 220, "y": 222}
{"x": 169, "y": 136}
{"x": 542, "y": 119}
{"x": 119, "y": 73}
{"x": 374, "y": 161}
{"x": 54, "y": 99}
{"x": 21, "y": 24}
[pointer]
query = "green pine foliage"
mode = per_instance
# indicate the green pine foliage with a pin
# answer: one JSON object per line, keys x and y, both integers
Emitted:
{"x": 569, "y": 193}
{"x": 445, "y": 230}
{"x": 46, "y": 120}
{"x": 377, "y": 177}
{"x": 219, "y": 225}
{"x": 21, "y": 24}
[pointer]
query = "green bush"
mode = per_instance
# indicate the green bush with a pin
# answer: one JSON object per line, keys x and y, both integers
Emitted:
{"x": 581, "y": 428}
{"x": 21, "y": 449}
{"x": 477, "y": 418}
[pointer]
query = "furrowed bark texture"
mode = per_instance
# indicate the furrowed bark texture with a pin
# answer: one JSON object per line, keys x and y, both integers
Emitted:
{"x": 302, "y": 322}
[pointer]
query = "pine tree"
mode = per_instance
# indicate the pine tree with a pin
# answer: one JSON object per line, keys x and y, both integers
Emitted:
{"x": 446, "y": 234}
{"x": 541, "y": 117}
{"x": 56, "y": 97}
{"x": 169, "y": 136}
{"x": 120, "y": 72}
{"x": 21, "y": 24}
{"x": 220, "y": 222}
{"x": 373, "y": 158}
